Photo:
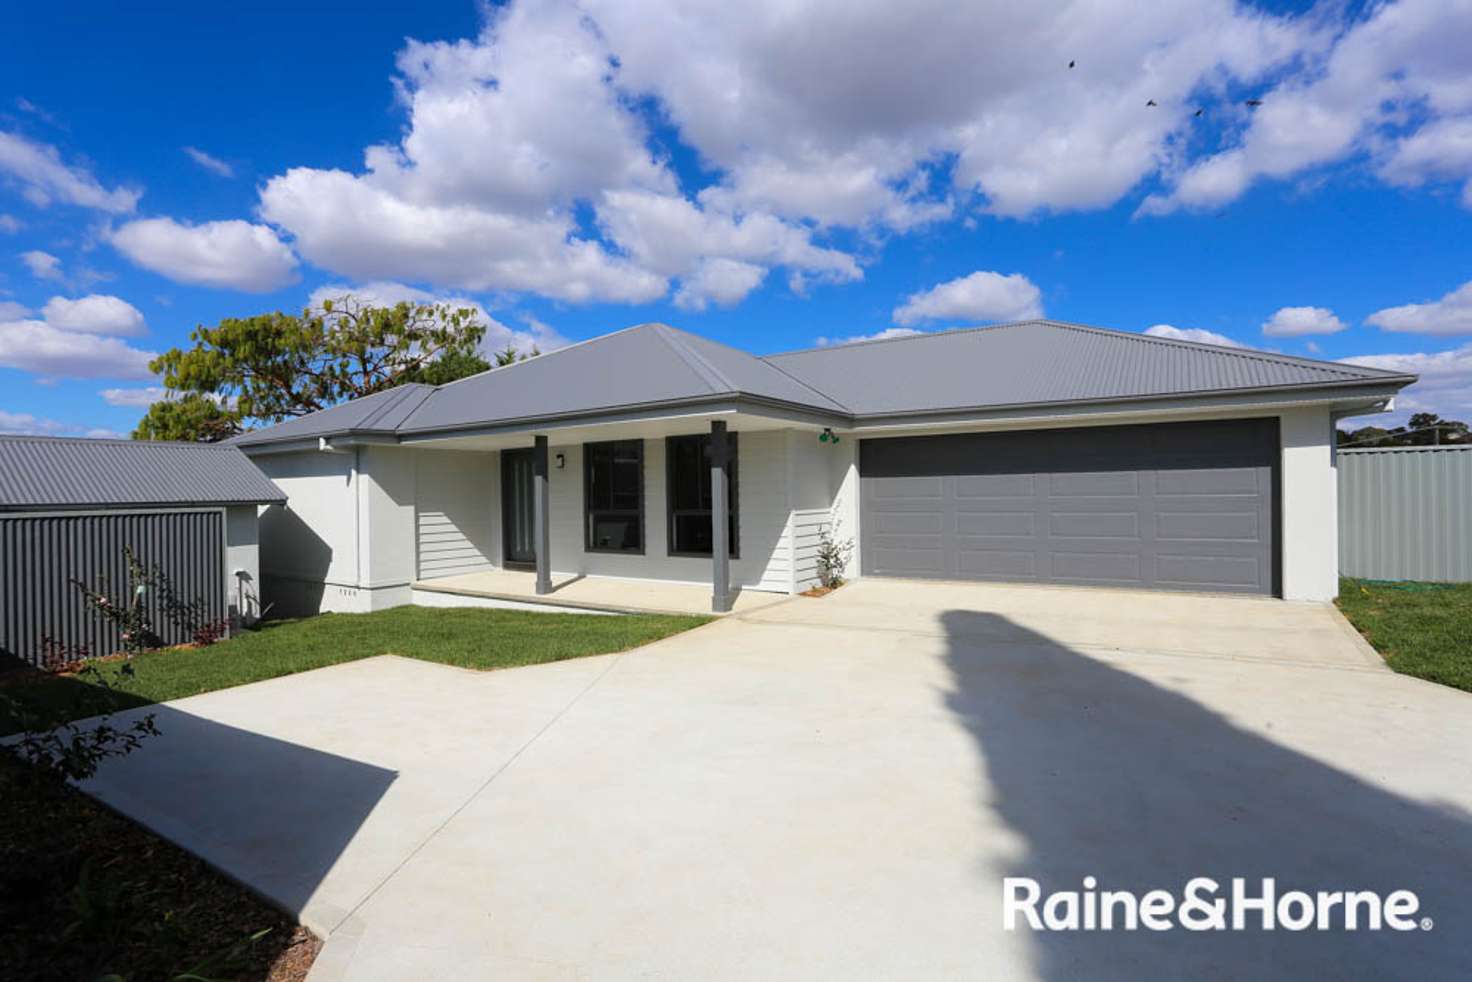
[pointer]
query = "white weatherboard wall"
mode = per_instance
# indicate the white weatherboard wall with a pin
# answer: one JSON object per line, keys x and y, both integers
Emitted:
{"x": 458, "y": 503}
{"x": 1310, "y": 506}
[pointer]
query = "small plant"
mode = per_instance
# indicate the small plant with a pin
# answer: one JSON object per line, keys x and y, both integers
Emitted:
{"x": 57, "y": 746}
{"x": 128, "y": 613}
{"x": 58, "y": 657}
{"x": 833, "y": 556}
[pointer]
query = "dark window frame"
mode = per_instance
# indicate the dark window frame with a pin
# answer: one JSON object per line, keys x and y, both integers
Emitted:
{"x": 589, "y": 511}
{"x": 734, "y": 522}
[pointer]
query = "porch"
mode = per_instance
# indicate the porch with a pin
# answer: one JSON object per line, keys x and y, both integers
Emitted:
{"x": 597, "y": 594}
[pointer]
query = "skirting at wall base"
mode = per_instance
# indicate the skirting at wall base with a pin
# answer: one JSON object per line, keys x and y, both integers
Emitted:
{"x": 289, "y": 596}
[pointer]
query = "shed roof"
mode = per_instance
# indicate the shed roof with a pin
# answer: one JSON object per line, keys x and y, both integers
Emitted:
{"x": 69, "y": 473}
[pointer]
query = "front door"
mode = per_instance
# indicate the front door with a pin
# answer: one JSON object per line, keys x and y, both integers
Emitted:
{"x": 517, "y": 516}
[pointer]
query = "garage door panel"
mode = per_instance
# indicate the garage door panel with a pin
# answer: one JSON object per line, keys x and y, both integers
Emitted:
{"x": 1211, "y": 572}
{"x": 1102, "y": 524}
{"x": 1208, "y": 480}
{"x": 1022, "y": 524}
{"x": 1216, "y": 526}
{"x": 986, "y": 563}
{"x": 908, "y": 523}
{"x": 1094, "y": 484}
{"x": 996, "y": 485}
{"x": 1097, "y": 567}
{"x": 1187, "y": 506}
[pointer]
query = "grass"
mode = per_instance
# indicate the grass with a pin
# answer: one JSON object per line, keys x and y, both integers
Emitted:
{"x": 87, "y": 894}
{"x": 1422, "y": 629}
{"x": 467, "y": 637}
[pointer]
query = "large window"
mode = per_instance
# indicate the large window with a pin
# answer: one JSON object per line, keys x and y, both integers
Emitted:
{"x": 613, "y": 496}
{"x": 687, "y": 460}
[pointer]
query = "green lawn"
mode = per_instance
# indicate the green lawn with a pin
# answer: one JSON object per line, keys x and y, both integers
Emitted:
{"x": 467, "y": 637}
{"x": 1422, "y": 629}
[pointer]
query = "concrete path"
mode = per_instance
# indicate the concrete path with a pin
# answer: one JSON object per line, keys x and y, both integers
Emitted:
{"x": 836, "y": 788}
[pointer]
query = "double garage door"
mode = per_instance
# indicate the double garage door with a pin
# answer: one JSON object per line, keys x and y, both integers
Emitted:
{"x": 1187, "y": 506}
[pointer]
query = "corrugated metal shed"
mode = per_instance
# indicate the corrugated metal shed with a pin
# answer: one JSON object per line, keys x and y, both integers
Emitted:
{"x": 42, "y": 473}
{"x": 1405, "y": 513}
{"x": 1037, "y": 362}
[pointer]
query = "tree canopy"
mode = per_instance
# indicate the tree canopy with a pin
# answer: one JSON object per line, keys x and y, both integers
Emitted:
{"x": 1421, "y": 430}
{"x": 277, "y": 366}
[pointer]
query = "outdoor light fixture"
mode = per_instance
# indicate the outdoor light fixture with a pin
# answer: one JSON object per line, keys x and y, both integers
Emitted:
{"x": 827, "y": 436}
{"x": 560, "y": 461}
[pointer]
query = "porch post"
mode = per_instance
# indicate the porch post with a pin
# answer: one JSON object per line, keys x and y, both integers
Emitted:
{"x": 541, "y": 510}
{"x": 720, "y": 547}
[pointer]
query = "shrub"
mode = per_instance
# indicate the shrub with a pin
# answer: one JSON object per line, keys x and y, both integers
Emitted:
{"x": 56, "y": 746}
{"x": 833, "y": 556}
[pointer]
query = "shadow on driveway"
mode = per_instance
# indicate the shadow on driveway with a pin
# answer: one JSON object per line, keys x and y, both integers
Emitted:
{"x": 275, "y": 815}
{"x": 1105, "y": 774}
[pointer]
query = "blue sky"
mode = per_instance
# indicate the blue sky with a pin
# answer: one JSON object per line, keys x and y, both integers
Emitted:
{"x": 775, "y": 180}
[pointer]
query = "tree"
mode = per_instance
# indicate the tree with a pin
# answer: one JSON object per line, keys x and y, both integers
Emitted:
{"x": 1421, "y": 430}
{"x": 276, "y": 366}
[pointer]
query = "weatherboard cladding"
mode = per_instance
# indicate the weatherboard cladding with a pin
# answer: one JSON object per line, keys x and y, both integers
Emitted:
{"x": 1028, "y": 363}
{"x": 66, "y": 473}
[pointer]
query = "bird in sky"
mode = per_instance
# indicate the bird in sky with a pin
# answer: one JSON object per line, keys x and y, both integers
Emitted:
{"x": 1072, "y": 63}
{"x": 1151, "y": 102}
{"x": 1254, "y": 103}
{"x": 1199, "y": 112}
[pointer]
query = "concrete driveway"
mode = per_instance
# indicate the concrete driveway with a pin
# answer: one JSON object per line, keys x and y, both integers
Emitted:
{"x": 836, "y": 788}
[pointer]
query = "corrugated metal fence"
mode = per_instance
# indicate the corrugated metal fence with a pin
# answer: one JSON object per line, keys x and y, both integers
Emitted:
{"x": 41, "y": 554}
{"x": 1403, "y": 513}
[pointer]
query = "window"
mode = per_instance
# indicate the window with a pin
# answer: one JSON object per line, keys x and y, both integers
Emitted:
{"x": 687, "y": 461}
{"x": 613, "y": 496}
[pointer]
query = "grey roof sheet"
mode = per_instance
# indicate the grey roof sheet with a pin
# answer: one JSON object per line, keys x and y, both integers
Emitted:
{"x": 382, "y": 412}
{"x": 638, "y": 366}
{"x": 62, "y": 472}
{"x": 1033, "y": 362}
{"x": 1027, "y": 363}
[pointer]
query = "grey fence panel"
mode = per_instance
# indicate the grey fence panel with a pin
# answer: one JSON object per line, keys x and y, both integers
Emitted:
{"x": 1404, "y": 513}
{"x": 40, "y": 556}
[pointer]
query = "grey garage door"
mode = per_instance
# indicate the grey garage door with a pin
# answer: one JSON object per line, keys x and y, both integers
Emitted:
{"x": 1188, "y": 506}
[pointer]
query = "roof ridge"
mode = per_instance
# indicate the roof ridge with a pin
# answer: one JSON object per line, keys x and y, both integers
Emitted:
{"x": 906, "y": 337}
{"x": 124, "y": 440}
{"x": 546, "y": 354}
{"x": 698, "y": 363}
{"x": 1252, "y": 354}
{"x": 399, "y": 394}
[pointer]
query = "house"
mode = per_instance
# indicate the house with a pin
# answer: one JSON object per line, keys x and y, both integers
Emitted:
{"x": 1037, "y": 451}
{"x": 70, "y": 507}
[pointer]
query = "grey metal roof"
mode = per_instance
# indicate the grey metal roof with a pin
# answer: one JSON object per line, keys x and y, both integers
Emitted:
{"x": 653, "y": 366}
{"x": 63, "y": 472}
{"x": 382, "y": 412}
{"x": 1040, "y": 362}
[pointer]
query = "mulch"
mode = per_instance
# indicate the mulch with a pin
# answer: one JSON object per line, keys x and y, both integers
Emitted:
{"x": 87, "y": 893}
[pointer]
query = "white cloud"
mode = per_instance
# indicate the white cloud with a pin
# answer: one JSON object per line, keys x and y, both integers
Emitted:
{"x": 981, "y": 296}
{"x": 233, "y": 254}
{"x": 720, "y": 281}
{"x": 95, "y": 314}
{"x": 10, "y": 225}
{"x": 540, "y": 336}
{"x": 43, "y": 178}
{"x": 139, "y": 398}
{"x": 212, "y": 164}
{"x": 35, "y": 346}
{"x": 884, "y": 335}
{"x": 1445, "y": 386}
{"x": 1293, "y": 322}
{"x": 43, "y": 265}
{"x": 1354, "y": 95}
{"x": 1197, "y": 334}
{"x": 26, "y": 424}
{"x": 1452, "y": 314}
{"x": 12, "y": 311}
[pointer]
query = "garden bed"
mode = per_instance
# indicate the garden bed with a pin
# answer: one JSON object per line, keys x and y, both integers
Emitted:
{"x": 88, "y": 894}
